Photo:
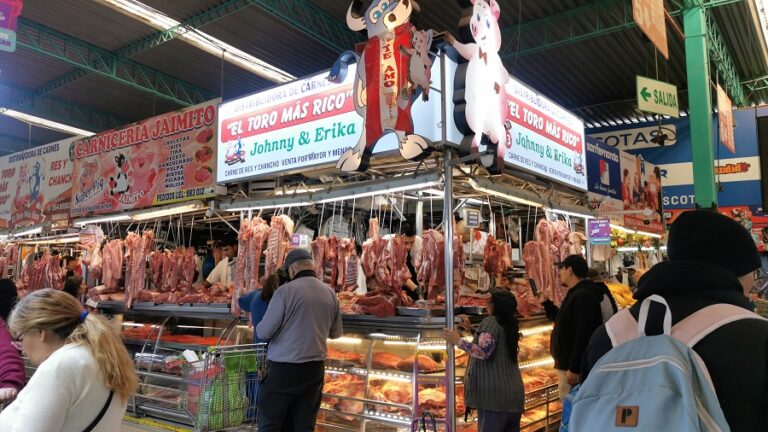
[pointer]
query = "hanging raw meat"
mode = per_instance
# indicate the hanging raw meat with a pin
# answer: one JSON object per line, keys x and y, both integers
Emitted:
{"x": 258, "y": 237}
{"x": 156, "y": 260}
{"x": 319, "y": 246}
{"x": 53, "y": 273}
{"x": 238, "y": 279}
{"x": 137, "y": 247}
{"x": 431, "y": 270}
{"x": 346, "y": 273}
{"x": 279, "y": 243}
{"x": 330, "y": 266}
{"x": 188, "y": 268}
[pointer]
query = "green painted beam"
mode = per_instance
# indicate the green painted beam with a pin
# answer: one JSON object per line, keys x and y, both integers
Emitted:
{"x": 605, "y": 17}
{"x": 697, "y": 50}
{"x": 78, "y": 53}
{"x": 313, "y": 21}
{"x": 10, "y": 144}
{"x": 756, "y": 84}
{"x": 205, "y": 17}
{"x": 60, "y": 110}
{"x": 591, "y": 21}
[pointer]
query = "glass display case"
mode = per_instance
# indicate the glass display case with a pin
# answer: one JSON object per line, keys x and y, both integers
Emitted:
{"x": 385, "y": 373}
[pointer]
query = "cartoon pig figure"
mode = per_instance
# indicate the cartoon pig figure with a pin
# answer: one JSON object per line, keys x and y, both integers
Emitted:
{"x": 382, "y": 90}
{"x": 87, "y": 176}
{"x": 143, "y": 171}
{"x": 486, "y": 77}
{"x": 420, "y": 65}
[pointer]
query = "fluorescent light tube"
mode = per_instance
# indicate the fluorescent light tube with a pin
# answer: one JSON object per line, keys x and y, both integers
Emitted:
{"x": 204, "y": 41}
{"x": 568, "y": 213}
{"x": 381, "y": 192}
{"x": 168, "y": 211}
{"x": 268, "y": 206}
{"x": 32, "y": 231}
{"x": 116, "y": 218}
{"x": 506, "y": 196}
{"x": 48, "y": 124}
{"x": 622, "y": 229}
{"x": 647, "y": 234}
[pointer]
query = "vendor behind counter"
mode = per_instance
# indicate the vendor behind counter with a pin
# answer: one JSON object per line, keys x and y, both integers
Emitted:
{"x": 225, "y": 269}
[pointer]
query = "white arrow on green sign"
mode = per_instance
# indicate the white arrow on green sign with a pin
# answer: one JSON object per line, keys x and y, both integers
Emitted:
{"x": 657, "y": 97}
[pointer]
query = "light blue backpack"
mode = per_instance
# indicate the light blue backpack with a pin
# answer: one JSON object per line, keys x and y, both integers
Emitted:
{"x": 654, "y": 383}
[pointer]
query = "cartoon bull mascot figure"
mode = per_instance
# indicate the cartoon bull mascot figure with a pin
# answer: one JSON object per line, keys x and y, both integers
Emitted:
{"x": 384, "y": 86}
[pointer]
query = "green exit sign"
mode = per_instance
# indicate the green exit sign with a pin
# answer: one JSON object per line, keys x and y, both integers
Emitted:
{"x": 657, "y": 97}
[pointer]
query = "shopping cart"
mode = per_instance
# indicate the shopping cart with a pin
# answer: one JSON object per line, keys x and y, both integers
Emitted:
{"x": 221, "y": 389}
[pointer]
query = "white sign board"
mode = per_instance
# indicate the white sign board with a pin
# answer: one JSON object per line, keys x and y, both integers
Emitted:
{"x": 544, "y": 138}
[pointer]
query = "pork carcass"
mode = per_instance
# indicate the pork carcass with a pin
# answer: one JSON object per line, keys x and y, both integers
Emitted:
{"x": 138, "y": 247}
{"x": 258, "y": 237}
{"x": 170, "y": 272}
{"x": 397, "y": 263}
{"x": 278, "y": 244}
{"x": 431, "y": 270}
{"x": 53, "y": 273}
{"x": 346, "y": 273}
{"x": 238, "y": 279}
{"x": 156, "y": 260}
{"x": 330, "y": 266}
{"x": 319, "y": 246}
{"x": 188, "y": 267}
{"x": 112, "y": 267}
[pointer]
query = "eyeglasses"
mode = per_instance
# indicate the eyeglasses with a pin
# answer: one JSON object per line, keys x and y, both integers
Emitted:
{"x": 18, "y": 340}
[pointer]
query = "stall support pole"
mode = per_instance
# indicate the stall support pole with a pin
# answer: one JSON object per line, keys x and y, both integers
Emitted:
{"x": 700, "y": 103}
{"x": 420, "y": 217}
{"x": 450, "y": 371}
{"x": 588, "y": 244}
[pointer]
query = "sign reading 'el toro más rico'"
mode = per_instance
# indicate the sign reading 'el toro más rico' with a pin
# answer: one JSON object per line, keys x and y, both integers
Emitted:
{"x": 162, "y": 160}
{"x": 293, "y": 127}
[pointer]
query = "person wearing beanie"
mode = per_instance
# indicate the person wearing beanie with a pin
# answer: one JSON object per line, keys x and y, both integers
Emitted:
{"x": 712, "y": 259}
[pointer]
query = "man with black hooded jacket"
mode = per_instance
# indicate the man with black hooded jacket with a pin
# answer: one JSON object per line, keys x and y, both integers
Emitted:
{"x": 712, "y": 259}
{"x": 579, "y": 315}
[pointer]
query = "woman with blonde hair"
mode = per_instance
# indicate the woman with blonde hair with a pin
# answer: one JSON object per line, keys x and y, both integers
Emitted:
{"x": 84, "y": 377}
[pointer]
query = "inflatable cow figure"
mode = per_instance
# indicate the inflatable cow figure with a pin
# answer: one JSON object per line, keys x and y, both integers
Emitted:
{"x": 385, "y": 84}
{"x": 485, "y": 95}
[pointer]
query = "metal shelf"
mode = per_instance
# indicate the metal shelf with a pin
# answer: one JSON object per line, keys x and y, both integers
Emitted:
{"x": 207, "y": 311}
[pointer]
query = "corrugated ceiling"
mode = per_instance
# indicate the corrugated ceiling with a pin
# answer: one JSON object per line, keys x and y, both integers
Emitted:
{"x": 595, "y": 78}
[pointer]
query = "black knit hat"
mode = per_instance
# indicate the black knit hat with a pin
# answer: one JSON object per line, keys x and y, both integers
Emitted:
{"x": 709, "y": 237}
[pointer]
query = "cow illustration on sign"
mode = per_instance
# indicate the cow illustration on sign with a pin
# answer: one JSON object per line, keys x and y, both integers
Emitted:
{"x": 383, "y": 91}
{"x": 485, "y": 95}
{"x": 120, "y": 184}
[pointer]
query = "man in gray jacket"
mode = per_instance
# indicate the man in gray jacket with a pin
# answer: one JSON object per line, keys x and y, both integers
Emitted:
{"x": 301, "y": 316}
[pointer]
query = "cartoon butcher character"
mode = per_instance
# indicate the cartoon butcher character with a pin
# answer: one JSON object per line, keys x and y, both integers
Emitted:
{"x": 382, "y": 89}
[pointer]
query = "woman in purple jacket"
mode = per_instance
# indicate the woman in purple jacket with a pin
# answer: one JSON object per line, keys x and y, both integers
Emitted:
{"x": 11, "y": 365}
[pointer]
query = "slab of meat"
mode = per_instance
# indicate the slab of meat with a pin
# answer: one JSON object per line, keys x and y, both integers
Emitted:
{"x": 425, "y": 364}
{"x": 330, "y": 266}
{"x": 138, "y": 247}
{"x": 170, "y": 272}
{"x": 351, "y": 272}
{"x": 459, "y": 261}
{"x": 258, "y": 237}
{"x": 392, "y": 392}
{"x": 112, "y": 269}
{"x": 238, "y": 279}
{"x": 431, "y": 270}
{"x": 319, "y": 245}
{"x": 93, "y": 262}
{"x": 278, "y": 243}
{"x": 385, "y": 360}
{"x": 188, "y": 267}
{"x": 540, "y": 256}
{"x": 398, "y": 268}
{"x": 53, "y": 273}
{"x": 156, "y": 260}
{"x": 373, "y": 248}
{"x": 377, "y": 304}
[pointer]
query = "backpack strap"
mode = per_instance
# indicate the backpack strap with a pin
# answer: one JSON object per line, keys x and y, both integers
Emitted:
{"x": 623, "y": 327}
{"x": 701, "y": 323}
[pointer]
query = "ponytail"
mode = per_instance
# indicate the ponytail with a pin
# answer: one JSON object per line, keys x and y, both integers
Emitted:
{"x": 60, "y": 313}
{"x": 96, "y": 333}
